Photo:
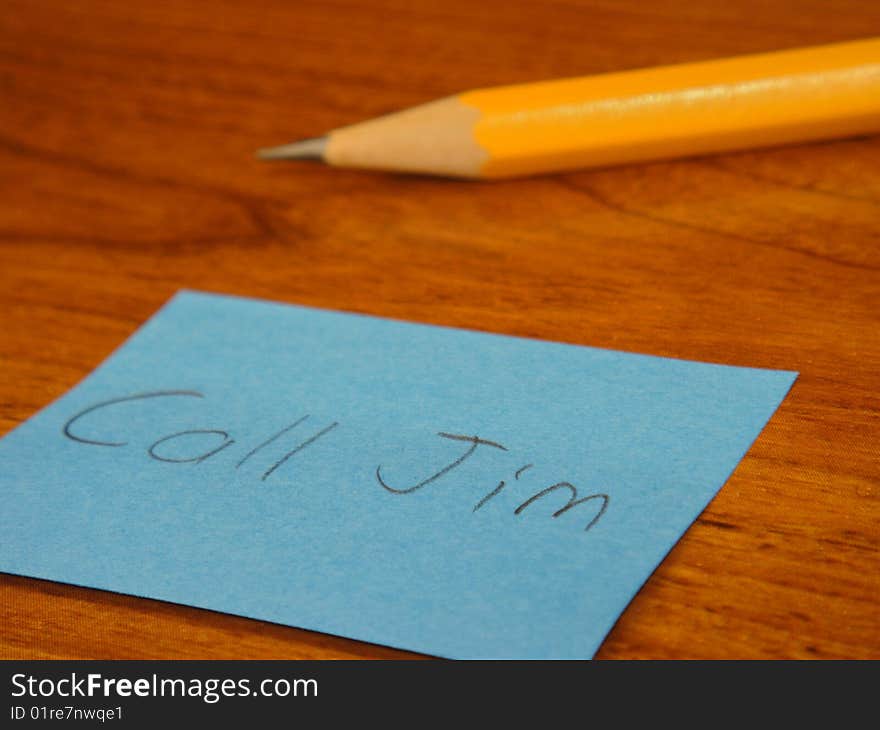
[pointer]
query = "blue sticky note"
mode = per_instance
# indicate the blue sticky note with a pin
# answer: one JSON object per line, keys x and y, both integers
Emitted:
{"x": 445, "y": 491}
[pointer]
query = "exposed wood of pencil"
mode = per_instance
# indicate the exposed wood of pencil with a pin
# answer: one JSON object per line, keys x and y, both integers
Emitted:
{"x": 437, "y": 138}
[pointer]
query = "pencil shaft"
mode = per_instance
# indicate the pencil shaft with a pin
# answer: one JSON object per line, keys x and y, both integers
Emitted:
{"x": 689, "y": 109}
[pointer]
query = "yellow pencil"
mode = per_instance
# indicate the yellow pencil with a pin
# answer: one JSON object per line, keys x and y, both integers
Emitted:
{"x": 671, "y": 111}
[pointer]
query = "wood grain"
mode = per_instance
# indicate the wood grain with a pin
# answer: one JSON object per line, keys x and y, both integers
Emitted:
{"x": 127, "y": 133}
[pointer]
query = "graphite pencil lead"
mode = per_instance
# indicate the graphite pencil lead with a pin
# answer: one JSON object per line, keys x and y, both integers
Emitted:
{"x": 305, "y": 149}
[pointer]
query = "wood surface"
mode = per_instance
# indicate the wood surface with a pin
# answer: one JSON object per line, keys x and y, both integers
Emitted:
{"x": 127, "y": 133}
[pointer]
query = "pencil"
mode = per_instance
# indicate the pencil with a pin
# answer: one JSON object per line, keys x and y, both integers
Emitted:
{"x": 690, "y": 109}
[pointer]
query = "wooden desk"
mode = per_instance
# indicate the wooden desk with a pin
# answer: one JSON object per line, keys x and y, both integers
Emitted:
{"x": 127, "y": 133}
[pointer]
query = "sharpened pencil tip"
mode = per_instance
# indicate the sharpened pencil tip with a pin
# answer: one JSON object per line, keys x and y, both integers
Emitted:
{"x": 304, "y": 149}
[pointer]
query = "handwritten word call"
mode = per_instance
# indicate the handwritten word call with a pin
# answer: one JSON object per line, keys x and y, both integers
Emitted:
{"x": 162, "y": 450}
